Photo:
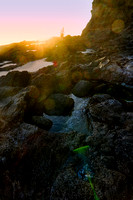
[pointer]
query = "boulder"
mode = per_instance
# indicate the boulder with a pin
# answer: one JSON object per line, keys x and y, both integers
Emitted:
{"x": 42, "y": 122}
{"x": 14, "y": 108}
{"x": 43, "y": 80}
{"x": 36, "y": 164}
{"x": 7, "y": 91}
{"x": 78, "y": 188}
{"x": 58, "y": 104}
{"x": 63, "y": 82}
{"x": 30, "y": 159}
{"x": 110, "y": 73}
{"x": 16, "y": 79}
{"x": 110, "y": 153}
{"x": 45, "y": 83}
{"x": 40, "y": 80}
{"x": 105, "y": 109}
{"x": 83, "y": 88}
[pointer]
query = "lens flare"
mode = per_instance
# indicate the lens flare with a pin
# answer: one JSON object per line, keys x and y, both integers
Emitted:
{"x": 49, "y": 104}
{"x": 118, "y": 26}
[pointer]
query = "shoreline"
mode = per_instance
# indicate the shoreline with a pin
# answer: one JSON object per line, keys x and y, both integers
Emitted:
{"x": 31, "y": 66}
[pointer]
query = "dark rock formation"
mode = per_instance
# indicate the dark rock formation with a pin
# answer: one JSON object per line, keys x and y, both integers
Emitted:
{"x": 16, "y": 79}
{"x": 41, "y": 122}
{"x": 110, "y": 19}
{"x": 112, "y": 141}
{"x": 7, "y": 91}
{"x": 30, "y": 161}
{"x": 68, "y": 182}
{"x": 114, "y": 71}
{"x": 58, "y": 104}
{"x": 14, "y": 108}
{"x": 105, "y": 109}
{"x": 63, "y": 80}
{"x": 83, "y": 88}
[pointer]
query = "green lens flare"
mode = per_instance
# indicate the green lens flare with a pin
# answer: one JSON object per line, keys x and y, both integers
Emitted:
{"x": 92, "y": 187}
{"x": 81, "y": 149}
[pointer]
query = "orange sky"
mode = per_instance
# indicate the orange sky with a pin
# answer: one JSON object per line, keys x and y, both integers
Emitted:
{"x": 42, "y": 19}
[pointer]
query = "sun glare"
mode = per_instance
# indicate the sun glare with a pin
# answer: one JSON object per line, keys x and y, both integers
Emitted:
{"x": 43, "y": 21}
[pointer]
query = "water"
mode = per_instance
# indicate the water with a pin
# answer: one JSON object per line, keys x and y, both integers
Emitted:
{"x": 88, "y": 51}
{"x": 30, "y": 66}
{"x": 5, "y": 62}
{"x": 76, "y": 122}
{"x": 8, "y": 65}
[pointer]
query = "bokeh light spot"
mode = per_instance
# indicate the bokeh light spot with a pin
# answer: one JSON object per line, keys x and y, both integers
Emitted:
{"x": 49, "y": 104}
{"x": 118, "y": 26}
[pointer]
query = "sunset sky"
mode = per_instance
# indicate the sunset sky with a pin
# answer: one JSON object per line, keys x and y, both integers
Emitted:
{"x": 41, "y": 19}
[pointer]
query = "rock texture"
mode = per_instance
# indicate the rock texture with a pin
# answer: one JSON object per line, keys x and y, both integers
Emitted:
{"x": 41, "y": 122}
{"x": 112, "y": 137}
{"x": 83, "y": 88}
{"x": 16, "y": 79}
{"x": 38, "y": 165}
{"x": 14, "y": 108}
{"x": 58, "y": 104}
{"x": 110, "y": 19}
{"x": 30, "y": 159}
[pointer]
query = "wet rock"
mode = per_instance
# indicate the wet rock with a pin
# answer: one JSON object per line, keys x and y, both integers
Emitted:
{"x": 40, "y": 80}
{"x": 83, "y": 88}
{"x": 111, "y": 148}
{"x": 31, "y": 159}
{"x": 41, "y": 122}
{"x": 101, "y": 88}
{"x": 34, "y": 158}
{"x": 12, "y": 137}
{"x": 14, "y": 108}
{"x": 67, "y": 183}
{"x": 46, "y": 84}
{"x": 113, "y": 73}
{"x": 63, "y": 82}
{"x": 43, "y": 81}
{"x": 16, "y": 79}
{"x": 10, "y": 144}
{"x": 109, "y": 183}
{"x": 105, "y": 108}
{"x": 7, "y": 91}
{"x": 58, "y": 104}
{"x": 110, "y": 73}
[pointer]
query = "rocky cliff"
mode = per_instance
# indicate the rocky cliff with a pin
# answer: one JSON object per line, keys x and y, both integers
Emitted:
{"x": 110, "y": 19}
